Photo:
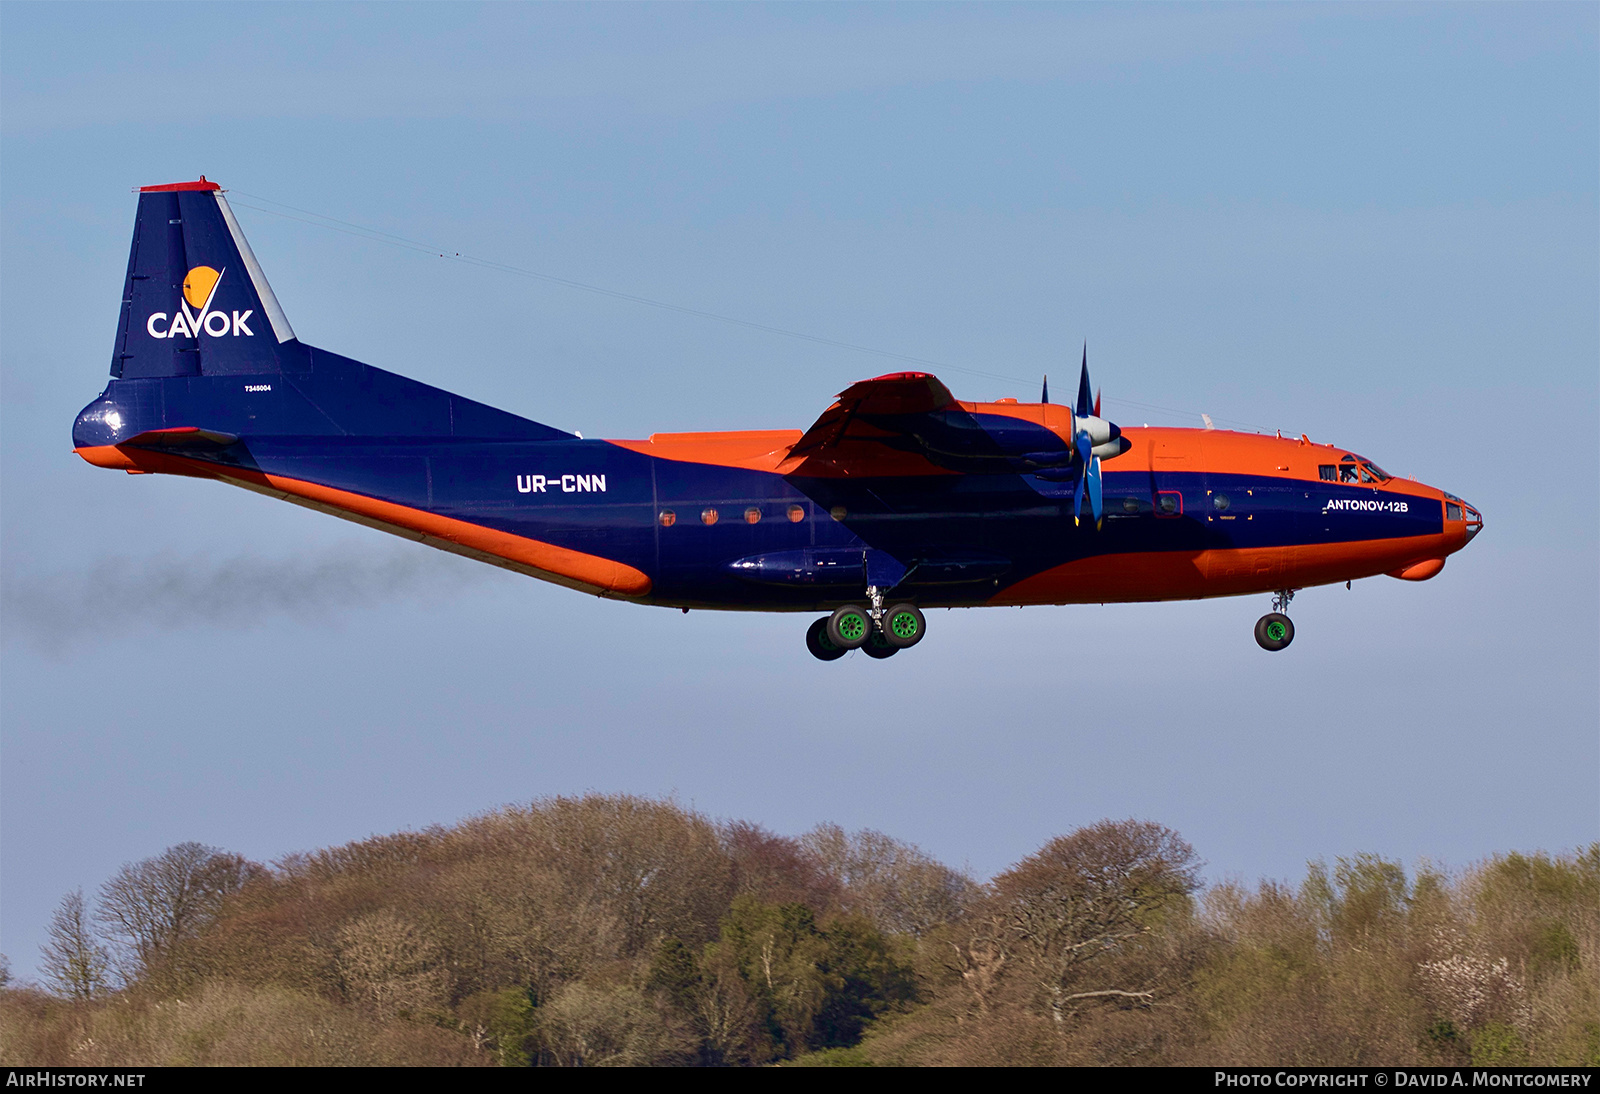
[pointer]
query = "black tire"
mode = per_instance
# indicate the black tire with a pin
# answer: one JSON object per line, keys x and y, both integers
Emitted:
{"x": 849, "y": 627}
{"x": 817, "y": 642}
{"x": 1274, "y": 631}
{"x": 878, "y": 647}
{"x": 904, "y": 626}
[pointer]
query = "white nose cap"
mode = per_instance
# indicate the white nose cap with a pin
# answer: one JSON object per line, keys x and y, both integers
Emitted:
{"x": 1100, "y": 431}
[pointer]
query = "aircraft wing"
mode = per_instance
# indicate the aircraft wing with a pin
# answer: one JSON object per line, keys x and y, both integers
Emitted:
{"x": 878, "y": 427}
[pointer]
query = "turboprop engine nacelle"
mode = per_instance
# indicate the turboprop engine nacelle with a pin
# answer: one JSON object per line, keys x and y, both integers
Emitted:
{"x": 1106, "y": 439}
{"x": 1100, "y": 431}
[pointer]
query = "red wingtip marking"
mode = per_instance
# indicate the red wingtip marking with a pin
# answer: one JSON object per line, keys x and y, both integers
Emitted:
{"x": 202, "y": 183}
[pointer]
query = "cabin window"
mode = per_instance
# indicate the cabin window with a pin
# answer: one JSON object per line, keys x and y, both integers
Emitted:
{"x": 838, "y": 512}
{"x": 668, "y": 518}
{"x": 1219, "y": 502}
{"x": 1349, "y": 473}
{"x": 1130, "y": 505}
{"x": 752, "y": 515}
{"x": 1452, "y": 511}
{"x": 708, "y": 516}
{"x": 1168, "y": 504}
{"x": 796, "y": 514}
{"x": 1329, "y": 472}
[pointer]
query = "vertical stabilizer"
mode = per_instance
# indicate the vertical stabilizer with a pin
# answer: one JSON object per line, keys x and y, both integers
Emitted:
{"x": 196, "y": 302}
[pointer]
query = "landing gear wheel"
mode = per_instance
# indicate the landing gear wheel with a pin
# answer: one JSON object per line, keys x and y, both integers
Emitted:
{"x": 817, "y": 642}
{"x": 878, "y": 646}
{"x": 903, "y": 626}
{"x": 849, "y": 627}
{"x": 1274, "y": 631}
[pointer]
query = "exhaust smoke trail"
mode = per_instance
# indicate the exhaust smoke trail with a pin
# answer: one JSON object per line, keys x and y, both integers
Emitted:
{"x": 166, "y": 592}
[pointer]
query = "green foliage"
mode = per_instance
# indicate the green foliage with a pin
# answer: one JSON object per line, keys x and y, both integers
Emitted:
{"x": 1554, "y": 951}
{"x": 1498, "y": 1045}
{"x": 1365, "y": 895}
{"x": 815, "y": 987}
{"x": 502, "y": 1022}
{"x": 1444, "y": 1034}
{"x": 831, "y": 1057}
{"x": 1550, "y": 882}
{"x": 675, "y": 973}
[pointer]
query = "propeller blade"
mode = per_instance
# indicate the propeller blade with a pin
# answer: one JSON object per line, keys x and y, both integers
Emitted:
{"x": 1044, "y": 396}
{"x": 1084, "y": 408}
{"x": 1097, "y": 404}
{"x": 1085, "y": 456}
{"x": 1096, "y": 504}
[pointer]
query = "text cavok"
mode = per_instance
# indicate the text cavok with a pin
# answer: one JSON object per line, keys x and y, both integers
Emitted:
{"x": 186, "y": 324}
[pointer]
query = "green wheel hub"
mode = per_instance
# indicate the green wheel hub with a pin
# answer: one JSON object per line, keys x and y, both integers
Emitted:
{"x": 853, "y": 626}
{"x": 903, "y": 625}
{"x": 1276, "y": 631}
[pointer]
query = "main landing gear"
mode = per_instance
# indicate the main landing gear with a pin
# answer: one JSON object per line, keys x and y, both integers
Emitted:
{"x": 876, "y": 631}
{"x": 1274, "y": 631}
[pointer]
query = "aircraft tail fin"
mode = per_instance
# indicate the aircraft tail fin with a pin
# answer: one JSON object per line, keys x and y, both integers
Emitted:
{"x": 195, "y": 301}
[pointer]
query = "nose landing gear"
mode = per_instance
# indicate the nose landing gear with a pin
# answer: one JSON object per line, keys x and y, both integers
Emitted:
{"x": 1274, "y": 631}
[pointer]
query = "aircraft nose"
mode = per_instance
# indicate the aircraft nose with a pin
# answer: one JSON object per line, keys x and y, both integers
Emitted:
{"x": 1456, "y": 509}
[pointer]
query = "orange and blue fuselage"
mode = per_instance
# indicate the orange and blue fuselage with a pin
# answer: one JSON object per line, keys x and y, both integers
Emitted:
{"x": 947, "y": 503}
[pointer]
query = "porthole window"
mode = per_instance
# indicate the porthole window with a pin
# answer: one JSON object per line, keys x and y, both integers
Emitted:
{"x": 1130, "y": 505}
{"x": 752, "y": 515}
{"x": 1167, "y": 503}
{"x": 668, "y": 518}
{"x": 796, "y": 514}
{"x": 708, "y": 516}
{"x": 838, "y": 512}
{"x": 1219, "y": 502}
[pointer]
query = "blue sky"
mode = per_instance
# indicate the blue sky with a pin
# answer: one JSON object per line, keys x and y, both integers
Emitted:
{"x": 1378, "y": 225}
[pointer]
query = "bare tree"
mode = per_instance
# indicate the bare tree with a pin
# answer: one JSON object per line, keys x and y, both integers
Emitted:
{"x": 899, "y": 887}
{"x": 1087, "y": 895}
{"x": 152, "y": 905}
{"x": 392, "y": 966}
{"x": 74, "y": 963}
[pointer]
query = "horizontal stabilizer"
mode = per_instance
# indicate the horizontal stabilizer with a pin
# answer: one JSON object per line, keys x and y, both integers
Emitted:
{"x": 183, "y": 436}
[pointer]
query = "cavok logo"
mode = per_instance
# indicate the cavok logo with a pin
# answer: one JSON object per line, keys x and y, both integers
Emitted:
{"x": 199, "y": 287}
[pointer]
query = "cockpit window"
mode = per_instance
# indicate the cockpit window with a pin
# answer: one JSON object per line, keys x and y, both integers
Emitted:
{"x": 1351, "y": 468}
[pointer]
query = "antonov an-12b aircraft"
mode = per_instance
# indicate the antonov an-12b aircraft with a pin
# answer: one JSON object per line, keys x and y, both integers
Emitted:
{"x": 899, "y": 498}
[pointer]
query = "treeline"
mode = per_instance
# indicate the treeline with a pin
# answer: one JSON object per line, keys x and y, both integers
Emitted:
{"x": 620, "y": 930}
